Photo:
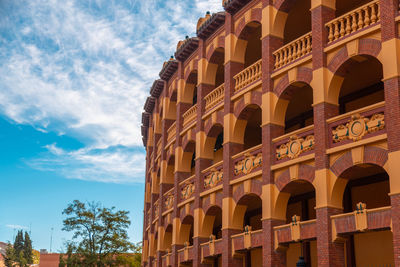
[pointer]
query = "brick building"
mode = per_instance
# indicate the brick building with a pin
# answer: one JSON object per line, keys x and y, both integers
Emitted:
{"x": 274, "y": 134}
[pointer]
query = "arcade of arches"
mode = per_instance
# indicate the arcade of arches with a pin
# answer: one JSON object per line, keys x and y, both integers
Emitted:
{"x": 272, "y": 139}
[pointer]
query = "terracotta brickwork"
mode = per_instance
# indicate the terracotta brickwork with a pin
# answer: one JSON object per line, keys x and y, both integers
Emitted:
{"x": 266, "y": 137}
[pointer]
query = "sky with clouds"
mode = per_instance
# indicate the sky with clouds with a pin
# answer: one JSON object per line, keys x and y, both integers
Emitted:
{"x": 74, "y": 77}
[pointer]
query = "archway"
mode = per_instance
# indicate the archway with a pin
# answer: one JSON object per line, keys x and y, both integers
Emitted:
{"x": 247, "y": 130}
{"x": 299, "y": 11}
{"x": 216, "y": 70}
{"x": 190, "y": 91}
{"x": 368, "y": 184}
{"x": 213, "y": 147}
{"x": 188, "y": 158}
{"x": 186, "y": 231}
{"x": 212, "y": 223}
{"x": 167, "y": 244}
{"x": 248, "y": 47}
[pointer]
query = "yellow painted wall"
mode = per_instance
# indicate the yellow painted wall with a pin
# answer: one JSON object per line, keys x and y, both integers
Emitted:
{"x": 374, "y": 248}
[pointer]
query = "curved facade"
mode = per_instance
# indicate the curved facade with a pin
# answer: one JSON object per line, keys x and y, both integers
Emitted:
{"x": 274, "y": 134}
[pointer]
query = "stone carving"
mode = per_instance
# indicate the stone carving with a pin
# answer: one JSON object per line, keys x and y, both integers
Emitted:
{"x": 213, "y": 178}
{"x": 358, "y": 127}
{"x": 156, "y": 208}
{"x": 169, "y": 201}
{"x": 248, "y": 164}
{"x": 187, "y": 190}
{"x": 295, "y": 147}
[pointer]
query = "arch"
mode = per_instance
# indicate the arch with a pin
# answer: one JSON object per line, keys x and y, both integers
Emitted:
{"x": 190, "y": 89}
{"x": 247, "y": 126}
{"x": 212, "y": 222}
{"x": 212, "y": 148}
{"x": 368, "y": 52}
{"x": 167, "y": 240}
{"x": 170, "y": 169}
{"x": 186, "y": 230}
{"x": 255, "y": 189}
{"x": 248, "y": 45}
{"x": 291, "y": 192}
{"x": 188, "y": 154}
{"x": 305, "y": 172}
{"x": 247, "y": 211}
{"x": 215, "y": 69}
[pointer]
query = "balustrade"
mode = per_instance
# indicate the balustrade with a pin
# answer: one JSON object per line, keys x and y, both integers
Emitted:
{"x": 214, "y": 98}
{"x": 171, "y": 132}
{"x": 248, "y": 75}
{"x": 292, "y": 51}
{"x": 353, "y": 21}
{"x": 189, "y": 115}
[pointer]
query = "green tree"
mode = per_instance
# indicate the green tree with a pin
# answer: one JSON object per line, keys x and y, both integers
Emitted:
{"x": 28, "y": 254}
{"x": 10, "y": 257}
{"x": 99, "y": 234}
{"x": 19, "y": 242}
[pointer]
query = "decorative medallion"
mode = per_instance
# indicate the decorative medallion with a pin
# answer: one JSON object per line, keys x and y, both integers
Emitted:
{"x": 358, "y": 127}
{"x": 295, "y": 147}
{"x": 214, "y": 178}
{"x": 248, "y": 164}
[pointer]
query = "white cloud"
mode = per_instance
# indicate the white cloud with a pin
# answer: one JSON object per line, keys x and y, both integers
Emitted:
{"x": 15, "y": 226}
{"x": 83, "y": 69}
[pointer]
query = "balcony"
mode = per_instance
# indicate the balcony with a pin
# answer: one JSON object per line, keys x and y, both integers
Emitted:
{"x": 361, "y": 220}
{"x": 353, "y": 21}
{"x": 358, "y": 124}
{"x": 294, "y": 232}
{"x": 248, "y": 161}
{"x": 248, "y": 76}
{"x": 189, "y": 116}
{"x": 295, "y": 144}
{"x": 171, "y": 133}
{"x": 215, "y": 98}
{"x": 158, "y": 149}
{"x": 212, "y": 248}
{"x": 213, "y": 175}
{"x": 166, "y": 260}
{"x": 185, "y": 254}
{"x": 247, "y": 240}
{"x": 293, "y": 51}
{"x": 169, "y": 200}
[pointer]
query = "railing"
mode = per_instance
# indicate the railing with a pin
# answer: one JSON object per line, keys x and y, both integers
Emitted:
{"x": 292, "y": 145}
{"x": 185, "y": 254}
{"x": 169, "y": 199}
{"x": 246, "y": 240}
{"x": 158, "y": 148}
{"x": 357, "y": 124}
{"x": 211, "y": 248}
{"x": 171, "y": 132}
{"x": 294, "y": 50}
{"x": 189, "y": 115}
{"x": 248, "y": 161}
{"x": 353, "y": 21}
{"x": 156, "y": 209}
{"x": 248, "y": 75}
{"x": 361, "y": 220}
{"x": 213, "y": 175}
{"x": 295, "y": 231}
{"x": 215, "y": 97}
{"x": 187, "y": 187}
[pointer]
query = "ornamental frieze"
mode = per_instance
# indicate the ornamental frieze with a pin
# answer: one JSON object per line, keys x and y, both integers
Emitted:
{"x": 213, "y": 178}
{"x": 358, "y": 127}
{"x": 187, "y": 190}
{"x": 295, "y": 147}
{"x": 169, "y": 201}
{"x": 248, "y": 164}
{"x": 156, "y": 208}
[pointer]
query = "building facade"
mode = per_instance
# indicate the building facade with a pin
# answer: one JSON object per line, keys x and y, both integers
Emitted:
{"x": 274, "y": 134}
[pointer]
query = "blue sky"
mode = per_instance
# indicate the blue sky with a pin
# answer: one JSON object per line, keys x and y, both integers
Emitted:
{"x": 74, "y": 78}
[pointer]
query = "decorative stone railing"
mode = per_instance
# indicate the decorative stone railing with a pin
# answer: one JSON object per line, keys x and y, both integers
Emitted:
{"x": 355, "y": 125}
{"x": 361, "y": 220}
{"x": 248, "y": 161}
{"x": 185, "y": 254}
{"x": 169, "y": 199}
{"x": 294, "y": 232}
{"x": 148, "y": 217}
{"x": 247, "y": 240}
{"x": 292, "y": 145}
{"x": 211, "y": 248}
{"x": 171, "y": 132}
{"x": 292, "y": 51}
{"x": 158, "y": 148}
{"x": 248, "y": 75}
{"x": 166, "y": 260}
{"x": 353, "y": 21}
{"x": 213, "y": 175}
{"x": 190, "y": 115}
{"x": 187, "y": 188}
{"x": 215, "y": 97}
